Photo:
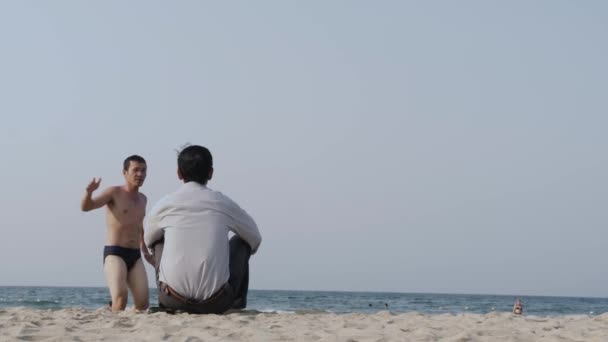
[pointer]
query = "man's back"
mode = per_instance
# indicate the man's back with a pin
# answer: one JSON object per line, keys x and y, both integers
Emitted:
{"x": 195, "y": 221}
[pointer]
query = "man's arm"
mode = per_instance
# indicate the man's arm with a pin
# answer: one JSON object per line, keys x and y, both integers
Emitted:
{"x": 243, "y": 225}
{"x": 144, "y": 250}
{"x": 142, "y": 245}
{"x": 89, "y": 203}
{"x": 153, "y": 231}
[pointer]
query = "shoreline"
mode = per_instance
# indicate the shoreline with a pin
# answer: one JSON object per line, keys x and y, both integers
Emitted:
{"x": 153, "y": 309}
{"x": 130, "y": 310}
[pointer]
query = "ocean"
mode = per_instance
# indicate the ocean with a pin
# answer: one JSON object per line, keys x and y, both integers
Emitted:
{"x": 323, "y": 301}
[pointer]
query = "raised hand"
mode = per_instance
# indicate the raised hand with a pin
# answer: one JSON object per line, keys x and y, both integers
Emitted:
{"x": 93, "y": 185}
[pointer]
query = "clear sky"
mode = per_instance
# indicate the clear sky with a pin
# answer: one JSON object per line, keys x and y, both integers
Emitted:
{"x": 429, "y": 146}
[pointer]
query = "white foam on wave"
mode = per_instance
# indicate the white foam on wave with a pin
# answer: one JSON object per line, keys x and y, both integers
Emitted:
{"x": 275, "y": 311}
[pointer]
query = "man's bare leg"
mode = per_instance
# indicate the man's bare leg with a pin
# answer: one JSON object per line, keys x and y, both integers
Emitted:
{"x": 138, "y": 283}
{"x": 116, "y": 276}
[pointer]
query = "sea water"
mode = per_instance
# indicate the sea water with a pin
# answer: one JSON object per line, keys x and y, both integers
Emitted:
{"x": 323, "y": 301}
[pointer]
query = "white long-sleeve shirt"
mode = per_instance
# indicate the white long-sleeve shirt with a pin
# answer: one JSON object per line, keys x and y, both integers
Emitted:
{"x": 195, "y": 222}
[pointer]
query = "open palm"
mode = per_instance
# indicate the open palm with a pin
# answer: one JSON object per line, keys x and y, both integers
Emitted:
{"x": 93, "y": 185}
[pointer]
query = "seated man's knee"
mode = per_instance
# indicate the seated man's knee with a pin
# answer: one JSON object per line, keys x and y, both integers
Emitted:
{"x": 158, "y": 253}
{"x": 237, "y": 243}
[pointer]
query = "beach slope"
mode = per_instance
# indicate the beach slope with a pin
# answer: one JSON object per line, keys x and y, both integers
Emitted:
{"x": 22, "y": 324}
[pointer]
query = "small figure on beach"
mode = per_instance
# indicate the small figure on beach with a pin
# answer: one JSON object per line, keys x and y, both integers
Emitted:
{"x": 125, "y": 210}
{"x": 198, "y": 269}
{"x": 518, "y": 307}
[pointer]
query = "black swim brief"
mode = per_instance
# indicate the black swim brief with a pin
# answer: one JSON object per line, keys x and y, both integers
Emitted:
{"x": 129, "y": 255}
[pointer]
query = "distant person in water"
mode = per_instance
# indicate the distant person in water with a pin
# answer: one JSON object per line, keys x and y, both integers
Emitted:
{"x": 125, "y": 210}
{"x": 518, "y": 307}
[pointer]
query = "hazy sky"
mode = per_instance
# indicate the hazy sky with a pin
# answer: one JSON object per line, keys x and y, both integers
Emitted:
{"x": 429, "y": 146}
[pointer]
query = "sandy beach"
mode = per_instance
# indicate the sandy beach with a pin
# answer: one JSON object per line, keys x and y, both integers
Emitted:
{"x": 20, "y": 324}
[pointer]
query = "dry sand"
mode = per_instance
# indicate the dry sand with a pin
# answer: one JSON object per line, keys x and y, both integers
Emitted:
{"x": 20, "y": 324}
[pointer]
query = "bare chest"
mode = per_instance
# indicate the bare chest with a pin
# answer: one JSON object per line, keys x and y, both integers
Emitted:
{"x": 127, "y": 208}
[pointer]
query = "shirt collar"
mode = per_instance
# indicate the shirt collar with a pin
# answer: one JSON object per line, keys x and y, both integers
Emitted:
{"x": 193, "y": 185}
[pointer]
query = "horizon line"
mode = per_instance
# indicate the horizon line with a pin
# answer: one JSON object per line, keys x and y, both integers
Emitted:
{"x": 344, "y": 291}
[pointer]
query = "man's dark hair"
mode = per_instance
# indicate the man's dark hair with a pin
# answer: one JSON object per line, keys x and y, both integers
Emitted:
{"x": 195, "y": 163}
{"x": 135, "y": 158}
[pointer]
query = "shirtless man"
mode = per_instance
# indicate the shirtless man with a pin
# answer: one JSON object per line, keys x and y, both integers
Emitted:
{"x": 126, "y": 207}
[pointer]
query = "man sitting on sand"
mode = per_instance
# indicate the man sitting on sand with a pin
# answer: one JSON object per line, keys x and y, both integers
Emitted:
{"x": 198, "y": 270}
{"x": 126, "y": 207}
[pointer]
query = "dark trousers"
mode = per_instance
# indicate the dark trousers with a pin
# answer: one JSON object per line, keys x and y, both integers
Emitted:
{"x": 232, "y": 296}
